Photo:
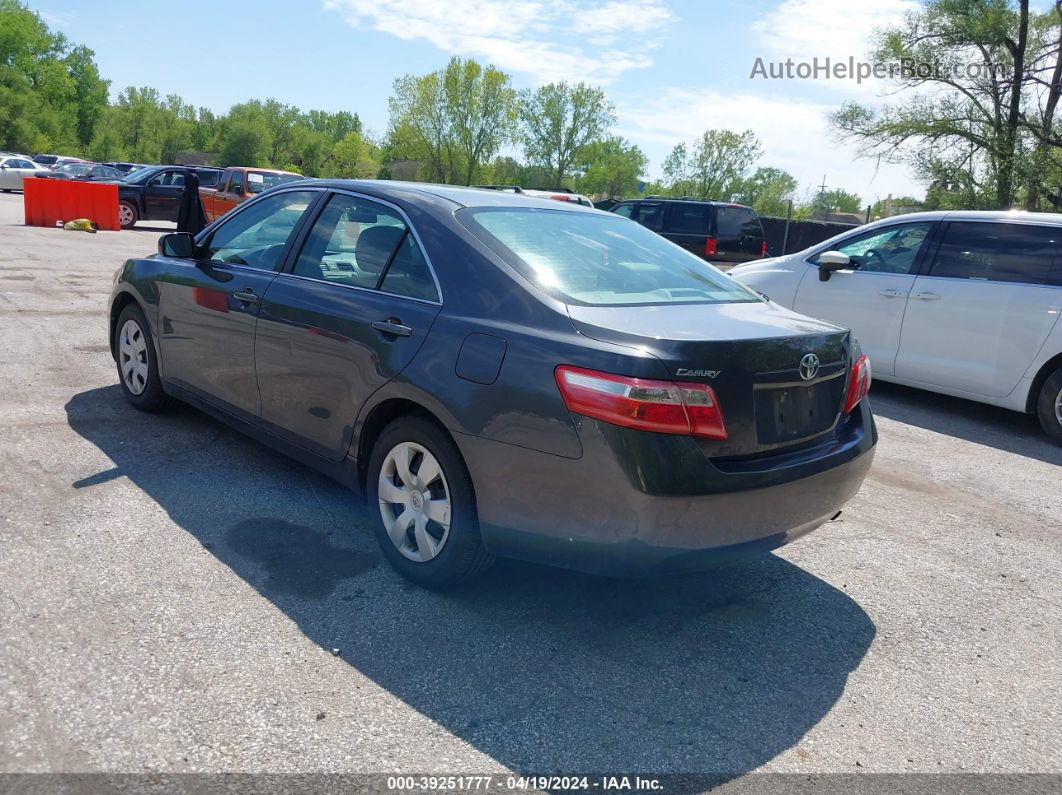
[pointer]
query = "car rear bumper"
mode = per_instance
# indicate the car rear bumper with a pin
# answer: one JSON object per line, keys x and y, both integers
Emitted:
{"x": 638, "y": 503}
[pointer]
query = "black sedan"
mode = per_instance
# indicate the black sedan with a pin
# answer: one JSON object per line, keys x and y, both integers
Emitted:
{"x": 502, "y": 375}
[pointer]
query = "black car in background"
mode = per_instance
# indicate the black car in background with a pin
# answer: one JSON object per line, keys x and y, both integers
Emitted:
{"x": 502, "y": 375}
{"x": 90, "y": 172}
{"x": 154, "y": 193}
{"x": 126, "y": 168}
{"x": 715, "y": 231}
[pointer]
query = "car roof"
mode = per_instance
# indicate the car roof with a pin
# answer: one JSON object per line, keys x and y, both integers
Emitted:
{"x": 456, "y": 194}
{"x": 972, "y": 215}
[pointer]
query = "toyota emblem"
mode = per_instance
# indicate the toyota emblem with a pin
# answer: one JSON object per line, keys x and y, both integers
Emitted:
{"x": 809, "y": 366}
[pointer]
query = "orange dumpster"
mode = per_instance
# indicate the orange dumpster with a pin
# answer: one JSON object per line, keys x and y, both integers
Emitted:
{"x": 49, "y": 200}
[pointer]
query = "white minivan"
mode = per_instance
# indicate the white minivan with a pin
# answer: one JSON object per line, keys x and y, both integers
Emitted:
{"x": 964, "y": 303}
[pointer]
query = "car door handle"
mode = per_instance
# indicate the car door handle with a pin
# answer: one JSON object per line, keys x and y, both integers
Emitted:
{"x": 389, "y": 327}
{"x": 246, "y": 296}
{"x": 927, "y": 296}
{"x": 892, "y": 293}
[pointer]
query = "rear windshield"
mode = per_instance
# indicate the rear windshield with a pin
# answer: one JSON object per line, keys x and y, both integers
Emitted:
{"x": 599, "y": 259}
{"x": 738, "y": 222}
{"x": 258, "y": 181}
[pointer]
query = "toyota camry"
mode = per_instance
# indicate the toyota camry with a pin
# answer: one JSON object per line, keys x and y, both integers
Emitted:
{"x": 502, "y": 375}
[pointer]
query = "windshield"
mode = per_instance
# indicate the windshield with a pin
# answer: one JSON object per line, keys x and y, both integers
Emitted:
{"x": 136, "y": 176}
{"x": 599, "y": 259}
{"x": 258, "y": 181}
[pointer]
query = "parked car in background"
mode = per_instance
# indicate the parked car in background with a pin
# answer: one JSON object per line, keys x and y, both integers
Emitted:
{"x": 154, "y": 193}
{"x": 237, "y": 184}
{"x": 14, "y": 169}
{"x": 126, "y": 168}
{"x": 562, "y": 195}
{"x": 963, "y": 303}
{"x": 436, "y": 347}
{"x": 81, "y": 171}
{"x": 715, "y": 231}
{"x": 54, "y": 161}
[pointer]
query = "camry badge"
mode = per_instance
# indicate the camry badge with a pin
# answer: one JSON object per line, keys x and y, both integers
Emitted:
{"x": 809, "y": 366}
{"x": 688, "y": 373}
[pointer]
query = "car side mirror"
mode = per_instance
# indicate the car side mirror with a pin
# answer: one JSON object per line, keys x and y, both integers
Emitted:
{"x": 177, "y": 244}
{"x": 830, "y": 261}
{"x": 5, "y": 166}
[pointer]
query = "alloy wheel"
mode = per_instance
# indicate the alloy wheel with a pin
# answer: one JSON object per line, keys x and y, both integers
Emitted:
{"x": 414, "y": 501}
{"x": 1058, "y": 407}
{"x": 132, "y": 356}
{"x": 125, "y": 215}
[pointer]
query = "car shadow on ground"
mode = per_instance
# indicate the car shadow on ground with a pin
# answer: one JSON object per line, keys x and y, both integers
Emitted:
{"x": 540, "y": 669}
{"x": 975, "y": 422}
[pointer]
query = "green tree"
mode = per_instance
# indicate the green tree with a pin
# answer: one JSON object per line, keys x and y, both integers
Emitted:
{"x": 981, "y": 112}
{"x": 453, "y": 120}
{"x": 245, "y": 142}
{"x": 768, "y": 191}
{"x": 557, "y": 120}
{"x": 354, "y": 157}
{"x": 611, "y": 168}
{"x": 51, "y": 94}
{"x": 714, "y": 167}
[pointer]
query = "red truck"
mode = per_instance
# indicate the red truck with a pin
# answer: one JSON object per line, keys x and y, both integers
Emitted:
{"x": 238, "y": 184}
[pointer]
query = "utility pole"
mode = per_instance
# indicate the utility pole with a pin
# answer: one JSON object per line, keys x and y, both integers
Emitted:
{"x": 823, "y": 209}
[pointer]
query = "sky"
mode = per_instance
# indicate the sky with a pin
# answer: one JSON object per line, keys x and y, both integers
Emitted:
{"x": 673, "y": 68}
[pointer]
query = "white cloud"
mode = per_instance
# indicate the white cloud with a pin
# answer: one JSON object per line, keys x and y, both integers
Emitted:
{"x": 835, "y": 29}
{"x": 544, "y": 39}
{"x": 794, "y": 135}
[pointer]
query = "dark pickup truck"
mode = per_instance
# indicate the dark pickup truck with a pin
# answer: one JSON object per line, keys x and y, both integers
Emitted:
{"x": 154, "y": 193}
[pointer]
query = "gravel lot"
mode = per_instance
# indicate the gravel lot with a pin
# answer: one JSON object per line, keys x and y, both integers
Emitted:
{"x": 171, "y": 594}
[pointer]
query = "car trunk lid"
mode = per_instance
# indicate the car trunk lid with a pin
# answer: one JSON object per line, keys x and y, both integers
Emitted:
{"x": 751, "y": 354}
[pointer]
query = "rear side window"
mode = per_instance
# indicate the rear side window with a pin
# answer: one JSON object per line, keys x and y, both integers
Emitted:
{"x": 737, "y": 222}
{"x": 997, "y": 252}
{"x": 692, "y": 219}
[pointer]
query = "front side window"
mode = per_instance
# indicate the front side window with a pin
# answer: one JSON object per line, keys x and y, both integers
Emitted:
{"x": 891, "y": 250}
{"x": 997, "y": 252}
{"x": 256, "y": 237}
{"x": 651, "y": 216}
{"x": 352, "y": 242}
{"x": 236, "y": 184}
{"x": 597, "y": 260}
{"x": 624, "y": 210}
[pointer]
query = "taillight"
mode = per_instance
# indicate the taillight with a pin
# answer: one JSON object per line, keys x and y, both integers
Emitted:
{"x": 561, "y": 198}
{"x": 763, "y": 249}
{"x": 709, "y": 247}
{"x": 657, "y": 406}
{"x": 858, "y": 383}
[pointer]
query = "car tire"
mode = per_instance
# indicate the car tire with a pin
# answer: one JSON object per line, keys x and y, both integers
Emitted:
{"x": 1049, "y": 406}
{"x": 127, "y": 214}
{"x": 407, "y": 516}
{"x": 138, "y": 368}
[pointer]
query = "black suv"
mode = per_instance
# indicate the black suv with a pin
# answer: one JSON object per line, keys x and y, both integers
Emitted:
{"x": 716, "y": 231}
